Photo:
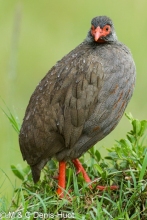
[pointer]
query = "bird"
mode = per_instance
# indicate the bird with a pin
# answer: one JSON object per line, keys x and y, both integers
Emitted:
{"x": 79, "y": 102}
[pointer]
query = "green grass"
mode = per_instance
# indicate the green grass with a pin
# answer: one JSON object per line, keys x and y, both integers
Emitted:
{"x": 25, "y": 59}
{"x": 56, "y": 33}
{"x": 124, "y": 166}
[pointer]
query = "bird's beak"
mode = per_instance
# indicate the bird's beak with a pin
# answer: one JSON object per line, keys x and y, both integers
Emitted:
{"x": 97, "y": 33}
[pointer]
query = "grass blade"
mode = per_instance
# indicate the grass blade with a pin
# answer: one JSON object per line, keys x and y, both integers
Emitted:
{"x": 144, "y": 166}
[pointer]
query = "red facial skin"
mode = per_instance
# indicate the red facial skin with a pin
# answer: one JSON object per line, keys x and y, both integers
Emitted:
{"x": 97, "y": 33}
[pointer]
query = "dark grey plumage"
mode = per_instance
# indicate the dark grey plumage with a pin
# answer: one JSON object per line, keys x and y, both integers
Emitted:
{"x": 79, "y": 101}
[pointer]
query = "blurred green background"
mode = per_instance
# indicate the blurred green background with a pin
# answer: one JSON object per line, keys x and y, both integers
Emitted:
{"x": 35, "y": 34}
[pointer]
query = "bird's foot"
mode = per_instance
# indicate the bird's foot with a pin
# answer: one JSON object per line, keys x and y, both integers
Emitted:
{"x": 102, "y": 188}
{"x": 80, "y": 169}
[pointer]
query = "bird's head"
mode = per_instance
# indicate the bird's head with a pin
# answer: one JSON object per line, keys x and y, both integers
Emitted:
{"x": 102, "y": 30}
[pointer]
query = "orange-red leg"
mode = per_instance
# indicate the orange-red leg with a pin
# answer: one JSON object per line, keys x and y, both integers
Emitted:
{"x": 81, "y": 169}
{"x": 61, "y": 179}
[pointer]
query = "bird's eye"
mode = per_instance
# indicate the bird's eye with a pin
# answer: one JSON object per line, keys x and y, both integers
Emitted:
{"x": 107, "y": 28}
